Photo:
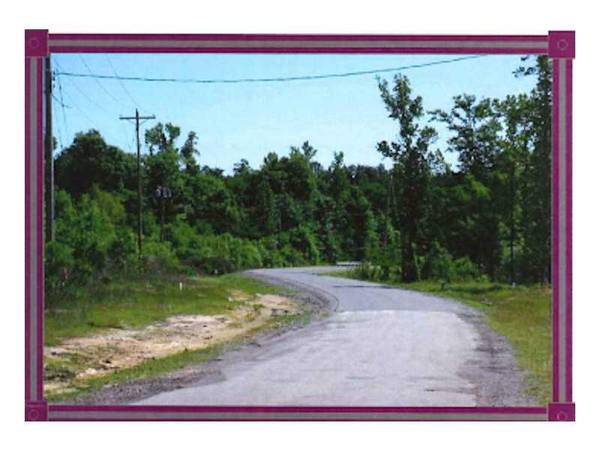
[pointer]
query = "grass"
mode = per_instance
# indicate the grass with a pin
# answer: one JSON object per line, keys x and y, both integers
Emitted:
{"x": 135, "y": 303}
{"x": 522, "y": 314}
{"x": 156, "y": 367}
{"x": 148, "y": 369}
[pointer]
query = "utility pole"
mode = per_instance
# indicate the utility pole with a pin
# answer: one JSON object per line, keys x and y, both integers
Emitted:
{"x": 512, "y": 224}
{"x": 48, "y": 151}
{"x": 137, "y": 119}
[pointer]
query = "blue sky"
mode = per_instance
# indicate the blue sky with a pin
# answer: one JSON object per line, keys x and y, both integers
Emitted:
{"x": 235, "y": 121}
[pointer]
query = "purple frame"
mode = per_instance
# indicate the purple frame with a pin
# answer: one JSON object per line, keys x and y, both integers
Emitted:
{"x": 558, "y": 45}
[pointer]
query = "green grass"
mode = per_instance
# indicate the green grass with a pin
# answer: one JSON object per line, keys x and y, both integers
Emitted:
{"x": 148, "y": 369}
{"x": 156, "y": 367}
{"x": 133, "y": 303}
{"x": 522, "y": 314}
{"x": 138, "y": 302}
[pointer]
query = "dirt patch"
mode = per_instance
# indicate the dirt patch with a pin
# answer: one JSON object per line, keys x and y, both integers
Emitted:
{"x": 83, "y": 358}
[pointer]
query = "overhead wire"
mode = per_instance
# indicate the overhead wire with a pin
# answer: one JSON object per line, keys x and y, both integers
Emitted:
{"x": 265, "y": 80}
{"x": 89, "y": 99}
{"x": 120, "y": 79}
{"x": 59, "y": 72}
{"x": 98, "y": 82}
{"x": 122, "y": 125}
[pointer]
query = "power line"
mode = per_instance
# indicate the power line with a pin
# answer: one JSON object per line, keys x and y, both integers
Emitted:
{"x": 120, "y": 79}
{"x": 74, "y": 105}
{"x": 82, "y": 92}
{"x": 57, "y": 124}
{"x": 98, "y": 82}
{"x": 62, "y": 104}
{"x": 264, "y": 80}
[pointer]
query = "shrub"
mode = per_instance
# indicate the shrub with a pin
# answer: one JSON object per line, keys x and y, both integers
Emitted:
{"x": 59, "y": 265}
{"x": 87, "y": 229}
{"x": 370, "y": 271}
{"x": 159, "y": 257}
{"x": 447, "y": 270}
{"x": 439, "y": 264}
{"x": 464, "y": 269}
{"x": 304, "y": 241}
{"x": 123, "y": 253}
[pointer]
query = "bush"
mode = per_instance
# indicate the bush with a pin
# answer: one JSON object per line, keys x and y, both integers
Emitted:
{"x": 59, "y": 265}
{"x": 448, "y": 270}
{"x": 159, "y": 257}
{"x": 91, "y": 240}
{"x": 123, "y": 253}
{"x": 304, "y": 241}
{"x": 250, "y": 256}
{"x": 213, "y": 254}
{"x": 439, "y": 264}
{"x": 370, "y": 271}
{"x": 88, "y": 231}
{"x": 464, "y": 269}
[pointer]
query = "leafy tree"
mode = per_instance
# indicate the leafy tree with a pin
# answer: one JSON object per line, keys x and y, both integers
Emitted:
{"x": 164, "y": 181}
{"x": 536, "y": 219}
{"x": 89, "y": 161}
{"x": 411, "y": 154}
{"x": 421, "y": 217}
{"x": 189, "y": 153}
{"x": 266, "y": 208}
{"x": 513, "y": 163}
{"x": 476, "y": 128}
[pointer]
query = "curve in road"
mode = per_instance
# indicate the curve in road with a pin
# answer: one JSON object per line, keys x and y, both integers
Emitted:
{"x": 381, "y": 346}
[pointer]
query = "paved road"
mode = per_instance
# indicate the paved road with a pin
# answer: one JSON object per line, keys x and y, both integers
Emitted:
{"x": 380, "y": 346}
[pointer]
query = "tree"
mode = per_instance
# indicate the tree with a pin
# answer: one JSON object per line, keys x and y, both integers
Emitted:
{"x": 189, "y": 153}
{"x": 418, "y": 217}
{"x": 164, "y": 181}
{"x": 411, "y": 154}
{"x": 536, "y": 219}
{"x": 266, "y": 208}
{"x": 513, "y": 163}
{"x": 90, "y": 161}
{"x": 162, "y": 137}
{"x": 475, "y": 128}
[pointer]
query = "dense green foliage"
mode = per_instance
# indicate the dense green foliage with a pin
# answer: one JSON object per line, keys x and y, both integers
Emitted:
{"x": 488, "y": 216}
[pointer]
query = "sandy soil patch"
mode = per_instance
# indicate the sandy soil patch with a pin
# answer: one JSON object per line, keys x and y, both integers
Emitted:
{"x": 93, "y": 356}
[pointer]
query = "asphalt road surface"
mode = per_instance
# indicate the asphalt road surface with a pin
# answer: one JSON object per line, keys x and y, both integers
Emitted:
{"x": 380, "y": 346}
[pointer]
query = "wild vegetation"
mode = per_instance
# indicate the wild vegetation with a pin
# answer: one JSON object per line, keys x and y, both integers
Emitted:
{"x": 144, "y": 327}
{"x": 486, "y": 217}
{"x": 470, "y": 230}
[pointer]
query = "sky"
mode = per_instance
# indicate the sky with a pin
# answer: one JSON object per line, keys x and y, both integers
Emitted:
{"x": 249, "y": 120}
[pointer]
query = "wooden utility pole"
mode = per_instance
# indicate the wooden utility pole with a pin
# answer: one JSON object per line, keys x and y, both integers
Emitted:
{"x": 512, "y": 223}
{"x": 48, "y": 151}
{"x": 137, "y": 119}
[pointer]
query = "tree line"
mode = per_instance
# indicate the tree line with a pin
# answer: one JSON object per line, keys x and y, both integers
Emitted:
{"x": 488, "y": 215}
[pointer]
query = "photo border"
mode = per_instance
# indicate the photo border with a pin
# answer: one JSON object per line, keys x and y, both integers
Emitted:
{"x": 558, "y": 45}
